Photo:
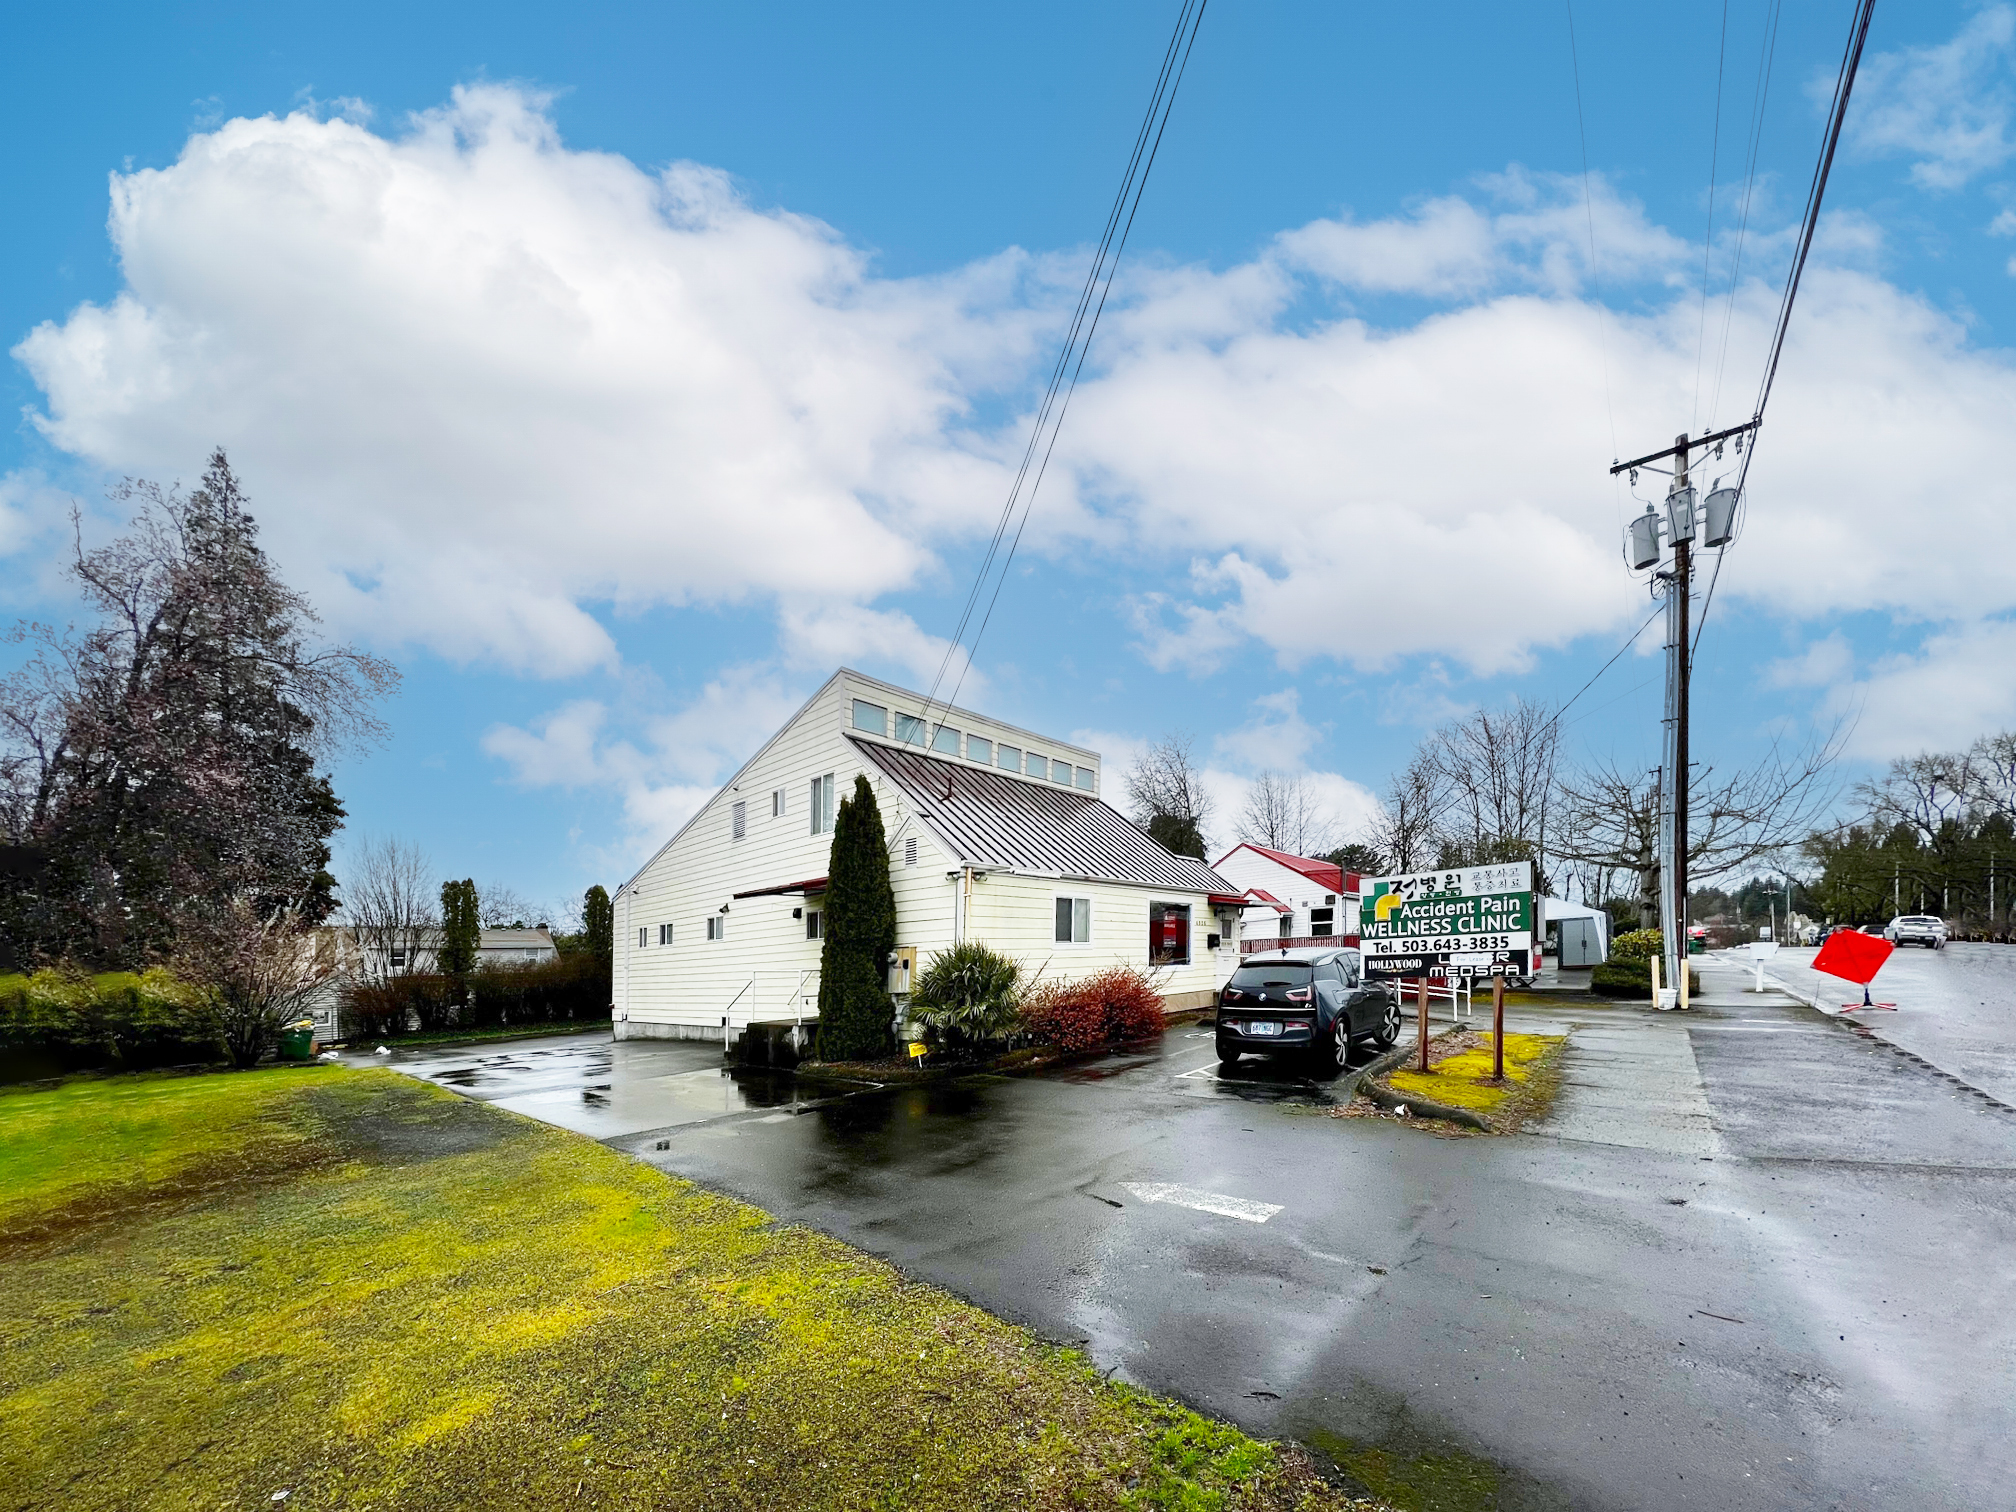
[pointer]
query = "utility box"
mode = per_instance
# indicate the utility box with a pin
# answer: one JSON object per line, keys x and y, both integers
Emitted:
{"x": 902, "y": 969}
{"x": 1582, "y": 943}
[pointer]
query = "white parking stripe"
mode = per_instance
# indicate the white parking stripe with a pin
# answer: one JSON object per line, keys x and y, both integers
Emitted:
{"x": 1203, "y": 1202}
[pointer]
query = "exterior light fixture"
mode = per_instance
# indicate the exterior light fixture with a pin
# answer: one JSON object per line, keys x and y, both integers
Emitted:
{"x": 1642, "y": 541}
{"x": 1720, "y": 517}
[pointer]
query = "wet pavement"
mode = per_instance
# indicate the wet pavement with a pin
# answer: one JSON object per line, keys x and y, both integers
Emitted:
{"x": 1956, "y": 1007}
{"x": 1753, "y": 1260}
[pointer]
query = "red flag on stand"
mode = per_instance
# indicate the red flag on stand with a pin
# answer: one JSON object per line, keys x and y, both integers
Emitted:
{"x": 1853, "y": 956}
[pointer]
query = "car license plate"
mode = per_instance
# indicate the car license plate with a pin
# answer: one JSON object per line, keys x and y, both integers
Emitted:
{"x": 1263, "y": 1026}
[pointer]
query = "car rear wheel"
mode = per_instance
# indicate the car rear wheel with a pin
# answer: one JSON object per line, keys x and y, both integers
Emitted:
{"x": 1228, "y": 1055}
{"x": 1389, "y": 1024}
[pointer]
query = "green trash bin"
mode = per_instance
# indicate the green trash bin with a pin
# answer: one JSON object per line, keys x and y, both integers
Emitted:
{"x": 1697, "y": 946}
{"x": 297, "y": 1041}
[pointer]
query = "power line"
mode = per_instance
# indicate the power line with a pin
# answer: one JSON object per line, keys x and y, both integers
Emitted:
{"x": 1071, "y": 357}
{"x": 1844, "y": 85}
{"x": 1760, "y": 94}
{"x": 1589, "y": 214}
{"x": 1708, "y": 236}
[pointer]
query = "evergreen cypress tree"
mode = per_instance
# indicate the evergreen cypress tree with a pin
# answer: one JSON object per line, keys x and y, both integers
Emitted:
{"x": 854, "y": 1007}
{"x": 461, "y": 931}
{"x": 598, "y": 924}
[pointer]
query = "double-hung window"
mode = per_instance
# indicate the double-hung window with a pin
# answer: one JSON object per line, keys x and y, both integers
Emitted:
{"x": 738, "y": 819}
{"x": 822, "y": 804}
{"x": 777, "y": 803}
{"x": 1322, "y": 921}
{"x": 664, "y": 934}
{"x": 815, "y": 924}
{"x": 1074, "y": 921}
{"x": 717, "y": 927}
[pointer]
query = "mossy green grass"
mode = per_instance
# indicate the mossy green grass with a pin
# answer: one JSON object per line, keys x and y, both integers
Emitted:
{"x": 1464, "y": 1080}
{"x": 366, "y": 1292}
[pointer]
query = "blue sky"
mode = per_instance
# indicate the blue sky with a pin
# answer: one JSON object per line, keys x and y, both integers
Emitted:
{"x": 620, "y": 371}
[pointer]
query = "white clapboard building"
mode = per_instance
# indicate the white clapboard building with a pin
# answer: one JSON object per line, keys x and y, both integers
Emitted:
{"x": 1291, "y": 901}
{"x": 995, "y": 834}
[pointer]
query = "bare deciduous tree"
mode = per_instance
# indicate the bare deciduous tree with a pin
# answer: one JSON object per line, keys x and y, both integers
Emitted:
{"x": 1408, "y": 832}
{"x": 500, "y": 907}
{"x": 391, "y": 903}
{"x": 1167, "y": 794}
{"x": 1610, "y": 817}
{"x": 1281, "y": 812}
{"x": 1497, "y": 771}
{"x": 250, "y": 972}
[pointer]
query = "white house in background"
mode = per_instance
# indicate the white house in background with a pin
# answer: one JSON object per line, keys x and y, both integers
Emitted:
{"x": 374, "y": 958}
{"x": 1291, "y": 901}
{"x": 995, "y": 834}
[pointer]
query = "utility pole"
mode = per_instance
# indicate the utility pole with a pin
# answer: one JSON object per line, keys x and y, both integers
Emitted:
{"x": 1683, "y": 523}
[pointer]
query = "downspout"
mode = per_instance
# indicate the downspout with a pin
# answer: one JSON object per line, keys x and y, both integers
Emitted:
{"x": 962, "y": 902}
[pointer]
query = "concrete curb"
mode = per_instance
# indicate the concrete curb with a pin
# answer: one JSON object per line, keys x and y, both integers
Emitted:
{"x": 1366, "y": 1082}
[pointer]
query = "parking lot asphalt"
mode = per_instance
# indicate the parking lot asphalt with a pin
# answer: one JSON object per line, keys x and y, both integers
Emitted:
{"x": 1753, "y": 1260}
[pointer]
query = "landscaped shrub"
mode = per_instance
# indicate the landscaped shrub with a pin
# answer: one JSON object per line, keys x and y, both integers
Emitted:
{"x": 1632, "y": 977}
{"x": 569, "y": 987}
{"x": 1112, "y": 1007}
{"x": 64, "y": 1019}
{"x": 1638, "y": 945}
{"x": 966, "y": 996}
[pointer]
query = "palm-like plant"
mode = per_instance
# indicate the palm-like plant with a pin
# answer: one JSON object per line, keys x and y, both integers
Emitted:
{"x": 967, "y": 996}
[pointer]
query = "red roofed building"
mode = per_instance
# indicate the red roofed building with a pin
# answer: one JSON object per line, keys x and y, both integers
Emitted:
{"x": 1291, "y": 901}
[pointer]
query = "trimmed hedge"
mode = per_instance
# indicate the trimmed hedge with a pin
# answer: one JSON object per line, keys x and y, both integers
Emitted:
{"x": 1632, "y": 978}
{"x": 570, "y": 987}
{"x": 61, "y": 1020}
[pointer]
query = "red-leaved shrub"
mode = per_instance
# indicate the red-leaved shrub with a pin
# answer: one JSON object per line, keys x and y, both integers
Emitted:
{"x": 1116, "y": 1005}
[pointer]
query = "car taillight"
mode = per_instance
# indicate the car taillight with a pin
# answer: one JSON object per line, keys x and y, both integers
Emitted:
{"x": 1300, "y": 994}
{"x": 1233, "y": 994}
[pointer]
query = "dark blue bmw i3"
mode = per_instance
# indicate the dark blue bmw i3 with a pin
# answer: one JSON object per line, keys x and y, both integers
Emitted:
{"x": 1308, "y": 1002}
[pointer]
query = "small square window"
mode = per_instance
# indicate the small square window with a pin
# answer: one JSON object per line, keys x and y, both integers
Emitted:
{"x": 871, "y": 719}
{"x": 945, "y": 741}
{"x": 777, "y": 803}
{"x": 664, "y": 934}
{"x": 910, "y": 729}
{"x": 1008, "y": 758}
{"x": 1074, "y": 921}
{"x": 979, "y": 750}
{"x": 815, "y": 924}
{"x": 717, "y": 927}
{"x": 1085, "y": 778}
{"x": 738, "y": 822}
{"x": 1038, "y": 766}
{"x": 1060, "y": 771}
{"x": 910, "y": 850}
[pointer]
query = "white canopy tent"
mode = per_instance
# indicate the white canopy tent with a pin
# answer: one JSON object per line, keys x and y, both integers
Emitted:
{"x": 1593, "y": 937}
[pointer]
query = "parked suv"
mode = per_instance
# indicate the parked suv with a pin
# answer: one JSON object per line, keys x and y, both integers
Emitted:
{"x": 1916, "y": 929}
{"x": 1311, "y": 1002}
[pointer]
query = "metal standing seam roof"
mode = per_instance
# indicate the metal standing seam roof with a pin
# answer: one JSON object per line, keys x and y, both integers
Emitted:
{"x": 992, "y": 820}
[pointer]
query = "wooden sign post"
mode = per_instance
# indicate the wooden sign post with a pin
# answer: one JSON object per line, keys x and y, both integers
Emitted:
{"x": 1497, "y": 1029}
{"x": 1421, "y": 1023}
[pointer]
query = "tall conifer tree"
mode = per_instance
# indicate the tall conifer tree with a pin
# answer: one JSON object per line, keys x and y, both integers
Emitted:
{"x": 855, "y": 1012}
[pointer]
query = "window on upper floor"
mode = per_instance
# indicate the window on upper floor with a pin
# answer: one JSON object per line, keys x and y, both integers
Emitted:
{"x": 1085, "y": 778}
{"x": 910, "y": 729}
{"x": 717, "y": 927}
{"x": 1074, "y": 921}
{"x": 815, "y": 924}
{"x": 777, "y": 803}
{"x": 738, "y": 819}
{"x": 1008, "y": 758}
{"x": 1037, "y": 766}
{"x": 979, "y": 750}
{"x": 945, "y": 740}
{"x": 821, "y": 798}
{"x": 664, "y": 934}
{"x": 1060, "y": 771}
{"x": 643, "y": 936}
{"x": 869, "y": 718}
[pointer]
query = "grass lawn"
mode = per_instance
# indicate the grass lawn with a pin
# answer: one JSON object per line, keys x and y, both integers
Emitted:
{"x": 367, "y": 1292}
{"x": 1462, "y": 1079}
